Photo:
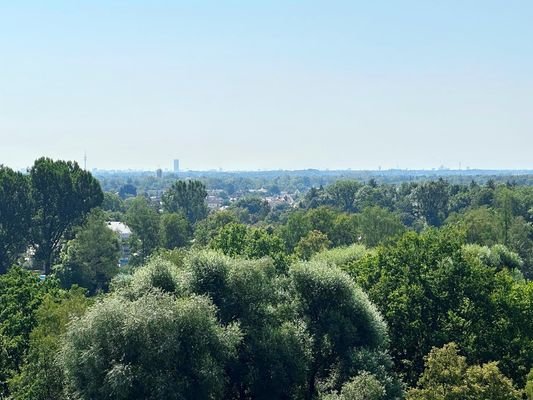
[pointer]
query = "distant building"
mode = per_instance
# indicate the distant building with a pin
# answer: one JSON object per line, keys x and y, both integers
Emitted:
{"x": 124, "y": 233}
{"x": 159, "y": 173}
{"x": 176, "y": 165}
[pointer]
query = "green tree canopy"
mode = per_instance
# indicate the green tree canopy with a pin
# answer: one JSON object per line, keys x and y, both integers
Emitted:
{"x": 431, "y": 290}
{"x": 187, "y": 198}
{"x": 15, "y": 216}
{"x": 314, "y": 242}
{"x": 174, "y": 231}
{"x": 447, "y": 376}
{"x": 90, "y": 260}
{"x": 62, "y": 194}
{"x": 153, "y": 347}
{"x": 143, "y": 220}
{"x": 21, "y": 293}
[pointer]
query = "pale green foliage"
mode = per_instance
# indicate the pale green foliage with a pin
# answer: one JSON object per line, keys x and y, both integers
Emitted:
{"x": 314, "y": 242}
{"x": 341, "y": 256}
{"x": 497, "y": 256}
{"x": 448, "y": 377}
{"x": 529, "y": 385}
{"x": 295, "y": 331}
{"x": 364, "y": 386}
{"x": 154, "y": 347}
{"x": 482, "y": 225}
{"x": 157, "y": 274}
{"x": 208, "y": 275}
{"x": 274, "y": 355}
{"x": 340, "y": 319}
{"x": 231, "y": 239}
{"x": 236, "y": 239}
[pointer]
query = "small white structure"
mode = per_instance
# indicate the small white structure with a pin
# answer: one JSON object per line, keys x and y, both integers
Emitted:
{"x": 124, "y": 232}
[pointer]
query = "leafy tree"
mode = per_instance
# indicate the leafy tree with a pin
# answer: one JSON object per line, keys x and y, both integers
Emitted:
{"x": 431, "y": 291}
{"x": 432, "y": 199}
{"x": 261, "y": 243}
{"x": 343, "y": 194}
{"x": 322, "y": 219}
{"x": 448, "y": 377}
{"x": 144, "y": 223}
{"x": 341, "y": 322}
{"x": 231, "y": 239}
{"x": 273, "y": 356}
{"x": 296, "y": 227}
{"x": 112, "y": 202}
{"x": 239, "y": 240}
{"x": 520, "y": 240}
{"x": 62, "y": 194}
{"x": 21, "y": 293}
{"x": 152, "y": 347}
{"x": 377, "y": 224}
{"x": 188, "y": 198}
{"x": 41, "y": 376}
{"x": 364, "y": 386}
{"x": 529, "y": 385}
{"x": 314, "y": 242}
{"x": 345, "y": 230}
{"x": 207, "y": 229}
{"x": 90, "y": 260}
{"x": 256, "y": 209}
{"x": 15, "y": 216}
{"x": 174, "y": 231}
{"x": 482, "y": 225}
{"x": 342, "y": 257}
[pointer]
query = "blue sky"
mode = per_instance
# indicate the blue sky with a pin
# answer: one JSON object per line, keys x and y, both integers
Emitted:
{"x": 268, "y": 85}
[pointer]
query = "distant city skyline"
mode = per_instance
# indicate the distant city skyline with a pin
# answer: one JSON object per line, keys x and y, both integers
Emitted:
{"x": 265, "y": 86}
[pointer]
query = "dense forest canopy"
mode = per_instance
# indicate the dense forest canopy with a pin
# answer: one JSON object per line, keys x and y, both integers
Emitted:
{"x": 265, "y": 285}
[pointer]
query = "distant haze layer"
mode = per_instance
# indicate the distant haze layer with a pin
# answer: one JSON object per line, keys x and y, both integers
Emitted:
{"x": 266, "y": 85}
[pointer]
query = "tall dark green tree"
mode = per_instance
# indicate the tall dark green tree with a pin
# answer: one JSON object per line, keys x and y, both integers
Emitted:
{"x": 15, "y": 215}
{"x": 187, "y": 198}
{"x": 62, "y": 194}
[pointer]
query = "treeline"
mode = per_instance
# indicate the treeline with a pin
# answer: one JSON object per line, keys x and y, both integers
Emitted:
{"x": 340, "y": 214}
{"x": 298, "y": 181}
{"x": 361, "y": 291}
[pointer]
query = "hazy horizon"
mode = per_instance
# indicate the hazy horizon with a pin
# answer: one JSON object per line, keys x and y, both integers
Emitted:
{"x": 248, "y": 86}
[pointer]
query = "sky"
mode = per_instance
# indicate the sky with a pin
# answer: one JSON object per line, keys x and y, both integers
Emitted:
{"x": 247, "y": 85}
